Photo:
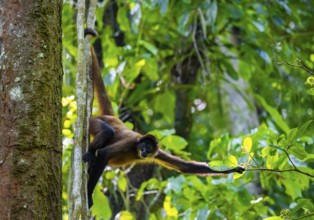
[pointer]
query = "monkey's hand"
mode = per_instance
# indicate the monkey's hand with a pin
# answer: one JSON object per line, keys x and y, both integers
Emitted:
{"x": 89, "y": 156}
{"x": 240, "y": 169}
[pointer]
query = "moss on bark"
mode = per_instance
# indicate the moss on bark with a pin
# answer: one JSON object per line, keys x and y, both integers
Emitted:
{"x": 30, "y": 125}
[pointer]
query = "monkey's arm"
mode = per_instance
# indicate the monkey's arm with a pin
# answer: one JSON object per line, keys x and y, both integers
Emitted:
{"x": 193, "y": 167}
{"x": 102, "y": 132}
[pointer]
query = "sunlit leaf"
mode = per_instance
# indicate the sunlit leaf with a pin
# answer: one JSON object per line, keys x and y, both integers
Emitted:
{"x": 273, "y": 218}
{"x": 231, "y": 161}
{"x": 247, "y": 145}
{"x": 67, "y": 124}
{"x": 101, "y": 207}
{"x": 310, "y": 91}
{"x": 122, "y": 183}
{"x": 271, "y": 160}
{"x": 299, "y": 152}
{"x": 303, "y": 128}
{"x": 291, "y": 135}
{"x": 150, "y": 47}
{"x": 266, "y": 151}
{"x": 237, "y": 175}
{"x": 216, "y": 163}
{"x": 305, "y": 204}
{"x": 310, "y": 80}
{"x": 174, "y": 142}
{"x": 125, "y": 215}
{"x": 170, "y": 211}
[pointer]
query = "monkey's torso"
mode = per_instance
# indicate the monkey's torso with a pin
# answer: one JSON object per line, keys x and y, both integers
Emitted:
{"x": 127, "y": 138}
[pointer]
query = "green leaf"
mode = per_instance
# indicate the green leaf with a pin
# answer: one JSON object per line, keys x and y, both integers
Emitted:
{"x": 299, "y": 152}
{"x": 305, "y": 204}
{"x": 183, "y": 23}
{"x": 231, "y": 161}
{"x": 281, "y": 123}
{"x": 266, "y": 151}
{"x": 123, "y": 19}
{"x": 217, "y": 144}
{"x": 164, "y": 103}
{"x": 303, "y": 128}
{"x": 150, "y": 47}
{"x": 125, "y": 215}
{"x": 310, "y": 91}
{"x": 273, "y": 218}
{"x": 237, "y": 175}
{"x": 151, "y": 69}
{"x": 174, "y": 142}
{"x": 216, "y": 163}
{"x": 131, "y": 73}
{"x": 122, "y": 183}
{"x": 212, "y": 12}
{"x": 230, "y": 70}
{"x": 271, "y": 160}
{"x": 310, "y": 80}
{"x": 175, "y": 184}
{"x": 291, "y": 135}
{"x": 101, "y": 207}
{"x": 151, "y": 184}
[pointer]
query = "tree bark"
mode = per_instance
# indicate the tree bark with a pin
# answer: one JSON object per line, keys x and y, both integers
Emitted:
{"x": 30, "y": 109}
{"x": 184, "y": 74}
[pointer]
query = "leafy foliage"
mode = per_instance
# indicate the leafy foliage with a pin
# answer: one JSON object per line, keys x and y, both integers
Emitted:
{"x": 266, "y": 45}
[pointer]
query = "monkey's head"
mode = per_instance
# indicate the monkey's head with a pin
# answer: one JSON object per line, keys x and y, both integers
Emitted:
{"x": 147, "y": 146}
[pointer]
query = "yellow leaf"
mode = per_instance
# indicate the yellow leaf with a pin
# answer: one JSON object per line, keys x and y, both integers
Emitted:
{"x": 247, "y": 145}
{"x": 231, "y": 161}
{"x": 237, "y": 175}
{"x": 274, "y": 218}
{"x": 171, "y": 211}
{"x": 140, "y": 63}
{"x": 125, "y": 215}
{"x": 310, "y": 80}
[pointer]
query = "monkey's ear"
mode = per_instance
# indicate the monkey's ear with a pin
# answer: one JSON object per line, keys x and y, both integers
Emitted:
{"x": 150, "y": 137}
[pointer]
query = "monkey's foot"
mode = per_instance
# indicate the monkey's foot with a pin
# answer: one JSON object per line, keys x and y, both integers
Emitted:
{"x": 89, "y": 156}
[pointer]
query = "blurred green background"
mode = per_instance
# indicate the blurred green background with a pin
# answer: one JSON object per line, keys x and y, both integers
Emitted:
{"x": 225, "y": 82}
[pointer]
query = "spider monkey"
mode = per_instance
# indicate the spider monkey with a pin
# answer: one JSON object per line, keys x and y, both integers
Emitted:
{"x": 116, "y": 145}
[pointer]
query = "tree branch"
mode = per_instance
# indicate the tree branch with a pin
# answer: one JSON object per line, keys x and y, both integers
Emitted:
{"x": 281, "y": 171}
{"x": 301, "y": 65}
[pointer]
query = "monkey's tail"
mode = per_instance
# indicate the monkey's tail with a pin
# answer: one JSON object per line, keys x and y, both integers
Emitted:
{"x": 104, "y": 102}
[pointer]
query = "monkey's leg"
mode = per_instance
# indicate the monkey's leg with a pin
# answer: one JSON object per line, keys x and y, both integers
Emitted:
{"x": 96, "y": 168}
{"x": 102, "y": 134}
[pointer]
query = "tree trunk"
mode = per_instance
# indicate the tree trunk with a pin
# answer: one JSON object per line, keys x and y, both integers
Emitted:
{"x": 184, "y": 73}
{"x": 238, "y": 102}
{"x": 30, "y": 109}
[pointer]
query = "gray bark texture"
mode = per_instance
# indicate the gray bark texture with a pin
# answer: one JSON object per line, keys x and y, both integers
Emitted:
{"x": 30, "y": 109}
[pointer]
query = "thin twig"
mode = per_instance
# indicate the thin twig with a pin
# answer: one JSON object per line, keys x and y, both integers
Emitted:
{"x": 281, "y": 171}
{"x": 302, "y": 65}
{"x": 287, "y": 154}
{"x": 303, "y": 217}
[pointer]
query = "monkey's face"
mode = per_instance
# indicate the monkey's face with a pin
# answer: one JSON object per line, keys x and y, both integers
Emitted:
{"x": 146, "y": 148}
